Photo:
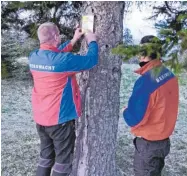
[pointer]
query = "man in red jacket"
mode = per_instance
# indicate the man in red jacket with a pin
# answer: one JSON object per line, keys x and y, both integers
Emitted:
{"x": 152, "y": 112}
{"x": 56, "y": 97}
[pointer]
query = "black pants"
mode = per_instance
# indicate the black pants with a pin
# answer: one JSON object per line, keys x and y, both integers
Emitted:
{"x": 149, "y": 156}
{"x": 56, "y": 149}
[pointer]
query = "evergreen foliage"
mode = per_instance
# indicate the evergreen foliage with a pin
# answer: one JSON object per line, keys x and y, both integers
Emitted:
{"x": 20, "y": 17}
{"x": 172, "y": 31}
{"x": 28, "y": 15}
{"x": 13, "y": 47}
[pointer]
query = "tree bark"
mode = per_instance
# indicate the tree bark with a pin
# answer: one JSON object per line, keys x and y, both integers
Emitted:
{"x": 96, "y": 130}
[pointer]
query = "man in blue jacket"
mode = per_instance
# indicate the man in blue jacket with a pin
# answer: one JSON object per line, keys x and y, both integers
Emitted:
{"x": 56, "y": 99}
{"x": 152, "y": 110}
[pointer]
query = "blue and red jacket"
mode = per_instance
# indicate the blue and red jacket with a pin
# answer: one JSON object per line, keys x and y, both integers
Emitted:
{"x": 153, "y": 106}
{"x": 55, "y": 95}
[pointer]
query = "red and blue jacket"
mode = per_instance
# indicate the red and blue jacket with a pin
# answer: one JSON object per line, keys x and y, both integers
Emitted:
{"x": 55, "y": 95}
{"x": 153, "y": 106}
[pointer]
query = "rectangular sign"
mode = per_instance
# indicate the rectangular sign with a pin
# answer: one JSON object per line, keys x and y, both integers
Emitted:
{"x": 87, "y": 23}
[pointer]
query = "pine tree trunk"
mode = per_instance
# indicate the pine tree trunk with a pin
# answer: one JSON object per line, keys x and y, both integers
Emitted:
{"x": 97, "y": 128}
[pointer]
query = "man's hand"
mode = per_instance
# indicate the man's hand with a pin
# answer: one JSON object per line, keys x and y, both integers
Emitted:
{"x": 90, "y": 37}
{"x": 77, "y": 35}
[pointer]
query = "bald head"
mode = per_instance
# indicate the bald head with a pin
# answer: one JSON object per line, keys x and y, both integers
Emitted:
{"x": 46, "y": 32}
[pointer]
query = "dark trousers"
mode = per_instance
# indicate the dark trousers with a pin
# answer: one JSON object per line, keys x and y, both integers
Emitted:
{"x": 149, "y": 156}
{"x": 56, "y": 149}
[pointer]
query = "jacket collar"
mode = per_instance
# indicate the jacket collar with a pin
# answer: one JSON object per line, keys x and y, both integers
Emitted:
{"x": 148, "y": 66}
{"x": 49, "y": 47}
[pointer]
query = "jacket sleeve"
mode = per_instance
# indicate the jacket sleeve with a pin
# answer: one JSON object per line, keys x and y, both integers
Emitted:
{"x": 66, "y": 47}
{"x": 138, "y": 103}
{"x": 69, "y": 62}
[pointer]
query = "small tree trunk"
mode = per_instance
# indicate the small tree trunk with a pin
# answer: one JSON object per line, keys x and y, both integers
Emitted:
{"x": 97, "y": 128}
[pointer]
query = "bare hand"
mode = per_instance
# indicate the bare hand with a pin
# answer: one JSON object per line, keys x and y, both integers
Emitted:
{"x": 90, "y": 37}
{"x": 78, "y": 34}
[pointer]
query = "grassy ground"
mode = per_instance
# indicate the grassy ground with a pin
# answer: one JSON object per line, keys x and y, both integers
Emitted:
{"x": 20, "y": 143}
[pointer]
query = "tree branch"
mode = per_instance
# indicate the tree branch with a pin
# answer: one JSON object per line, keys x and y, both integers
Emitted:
{"x": 168, "y": 7}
